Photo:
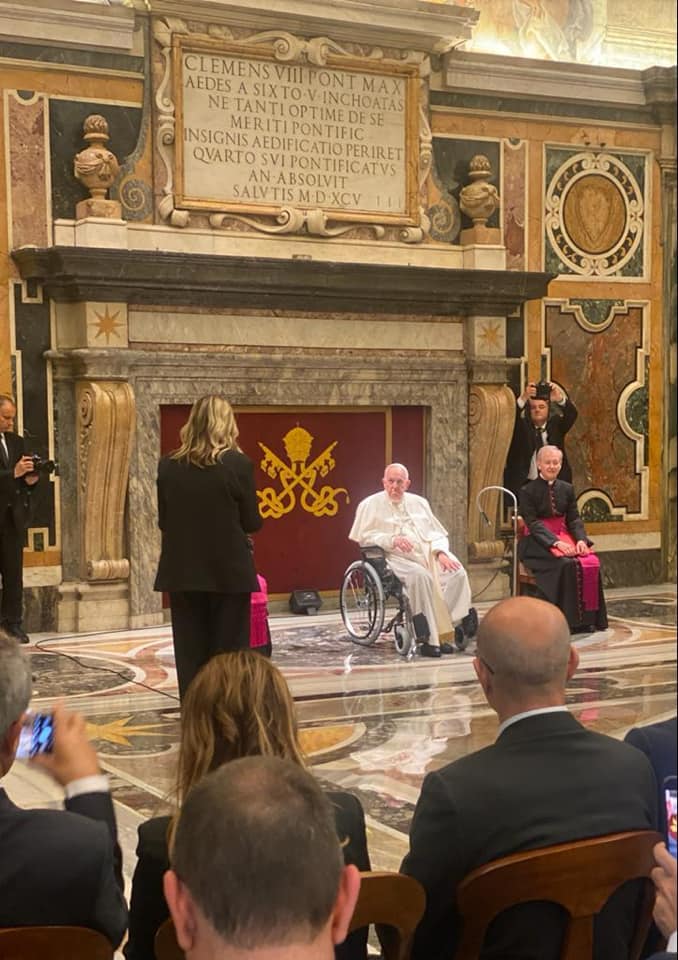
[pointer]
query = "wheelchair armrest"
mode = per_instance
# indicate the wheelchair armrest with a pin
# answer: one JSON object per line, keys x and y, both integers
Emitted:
{"x": 372, "y": 552}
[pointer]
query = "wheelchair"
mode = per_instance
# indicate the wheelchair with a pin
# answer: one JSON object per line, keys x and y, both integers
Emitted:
{"x": 368, "y": 585}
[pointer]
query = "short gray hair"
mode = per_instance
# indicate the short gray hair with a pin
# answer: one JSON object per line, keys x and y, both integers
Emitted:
{"x": 15, "y": 682}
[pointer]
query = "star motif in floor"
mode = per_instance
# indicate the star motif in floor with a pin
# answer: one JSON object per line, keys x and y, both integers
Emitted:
{"x": 118, "y": 731}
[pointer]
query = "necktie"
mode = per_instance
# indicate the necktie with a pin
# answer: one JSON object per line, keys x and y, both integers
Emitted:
{"x": 541, "y": 440}
{"x": 4, "y": 453}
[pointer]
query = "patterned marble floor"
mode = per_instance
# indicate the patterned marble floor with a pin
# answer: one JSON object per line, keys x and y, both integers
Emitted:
{"x": 371, "y": 722}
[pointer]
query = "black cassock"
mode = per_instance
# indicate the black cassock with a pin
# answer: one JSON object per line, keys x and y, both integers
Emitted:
{"x": 558, "y": 578}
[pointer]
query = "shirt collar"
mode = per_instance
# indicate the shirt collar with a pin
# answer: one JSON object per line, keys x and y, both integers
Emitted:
{"x": 529, "y": 713}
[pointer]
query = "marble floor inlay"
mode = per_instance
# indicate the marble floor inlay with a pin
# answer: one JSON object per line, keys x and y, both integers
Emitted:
{"x": 371, "y": 722}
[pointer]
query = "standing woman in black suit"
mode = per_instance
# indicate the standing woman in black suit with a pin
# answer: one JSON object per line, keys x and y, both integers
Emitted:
{"x": 207, "y": 505}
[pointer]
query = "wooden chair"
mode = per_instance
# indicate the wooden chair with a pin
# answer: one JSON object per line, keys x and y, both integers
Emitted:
{"x": 579, "y": 876}
{"x": 393, "y": 901}
{"x": 525, "y": 578}
{"x": 54, "y": 943}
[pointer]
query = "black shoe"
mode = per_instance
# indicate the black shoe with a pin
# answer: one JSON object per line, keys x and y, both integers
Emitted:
{"x": 469, "y": 623}
{"x": 428, "y": 650}
{"x": 446, "y": 647}
{"x": 15, "y": 630}
{"x": 586, "y": 628}
{"x": 461, "y": 641}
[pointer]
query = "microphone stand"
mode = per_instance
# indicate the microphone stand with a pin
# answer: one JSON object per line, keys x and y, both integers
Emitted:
{"x": 514, "y": 525}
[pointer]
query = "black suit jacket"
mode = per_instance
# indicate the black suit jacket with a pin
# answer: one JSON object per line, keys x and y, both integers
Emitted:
{"x": 148, "y": 909}
{"x": 658, "y": 741}
{"x": 524, "y": 444}
{"x": 546, "y": 780}
{"x": 62, "y": 867}
{"x": 536, "y": 503}
{"x": 14, "y": 494}
{"x": 205, "y": 515}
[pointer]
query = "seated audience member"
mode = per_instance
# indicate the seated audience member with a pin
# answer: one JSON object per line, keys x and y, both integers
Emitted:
{"x": 535, "y": 426}
{"x": 557, "y": 550}
{"x": 57, "y": 867}
{"x": 664, "y": 879}
{"x": 257, "y": 868}
{"x": 238, "y": 705}
{"x": 418, "y": 552}
{"x": 545, "y": 780}
{"x": 659, "y": 743}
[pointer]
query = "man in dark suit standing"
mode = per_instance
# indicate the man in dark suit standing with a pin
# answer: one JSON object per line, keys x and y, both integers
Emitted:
{"x": 58, "y": 867}
{"x": 545, "y": 780}
{"x": 17, "y": 475}
{"x": 543, "y": 415}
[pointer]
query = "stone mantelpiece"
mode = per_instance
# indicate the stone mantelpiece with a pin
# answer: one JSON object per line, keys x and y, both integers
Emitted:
{"x": 98, "y": 274}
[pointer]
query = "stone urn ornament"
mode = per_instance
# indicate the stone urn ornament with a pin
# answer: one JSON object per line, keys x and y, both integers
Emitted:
{"x": 96, "y": 167}
{"x": 479, "y": 200}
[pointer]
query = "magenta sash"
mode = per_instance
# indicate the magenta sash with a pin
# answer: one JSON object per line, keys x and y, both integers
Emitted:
{"x": 589, "y": 563}
{"x": 259, "y": 614}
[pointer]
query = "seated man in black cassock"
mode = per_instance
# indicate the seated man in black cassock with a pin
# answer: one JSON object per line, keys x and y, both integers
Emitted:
{"x": 557, "y": 551}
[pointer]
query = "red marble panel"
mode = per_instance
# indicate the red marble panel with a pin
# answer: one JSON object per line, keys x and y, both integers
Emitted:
{"x": 514, "y": 157}
{"x": 28, "y": 171}
{"x": 594, "y": 368}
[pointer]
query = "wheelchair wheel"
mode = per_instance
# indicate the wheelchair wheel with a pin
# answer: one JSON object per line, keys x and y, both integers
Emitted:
{"x": 361, "y": 602}
{"x": 403, "y": 639}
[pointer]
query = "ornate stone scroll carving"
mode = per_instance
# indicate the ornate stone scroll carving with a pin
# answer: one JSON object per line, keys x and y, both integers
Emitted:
{"x": 331, "y": 206}
{"x": 491, "y": 414}
{"x": 105, "y": 419}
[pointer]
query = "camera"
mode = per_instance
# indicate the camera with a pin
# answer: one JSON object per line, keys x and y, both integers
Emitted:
{"x": 43, "y": 466}
{"x": 543, "y": 389}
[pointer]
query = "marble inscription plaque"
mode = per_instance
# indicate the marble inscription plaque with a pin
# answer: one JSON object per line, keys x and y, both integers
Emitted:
{"x": 258, "y": 133}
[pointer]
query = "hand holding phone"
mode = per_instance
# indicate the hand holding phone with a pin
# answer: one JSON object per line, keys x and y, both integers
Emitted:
{"x": 72, "y": 756}
{"x": 37, "y": 735}
{"x": 671, "y": 801}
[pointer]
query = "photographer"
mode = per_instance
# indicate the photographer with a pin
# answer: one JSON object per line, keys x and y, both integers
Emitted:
{"x": 17, "y": 476}
{"x": 543, "y": 416}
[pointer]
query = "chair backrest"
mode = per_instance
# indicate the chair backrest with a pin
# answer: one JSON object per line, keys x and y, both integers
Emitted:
{"x": 54, "y": 943}
{"x": 165, "y": 944}
{"x": 394, "y": 901}
{"x": 390, "y": 899}
{"x": 580, "y": 876}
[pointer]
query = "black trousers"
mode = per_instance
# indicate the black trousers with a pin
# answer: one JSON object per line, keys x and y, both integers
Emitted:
{"x": 11, "y": 570}
{"x": 205, "y": 624}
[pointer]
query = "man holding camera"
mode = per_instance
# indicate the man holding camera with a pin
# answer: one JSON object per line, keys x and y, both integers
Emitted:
{"x": 17, "y": 476}
{"x": 535, "y": 427}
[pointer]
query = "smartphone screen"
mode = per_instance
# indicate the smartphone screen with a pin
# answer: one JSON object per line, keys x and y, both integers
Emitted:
{"x": 671, "y": 800}
{"x": 37, "y": 735}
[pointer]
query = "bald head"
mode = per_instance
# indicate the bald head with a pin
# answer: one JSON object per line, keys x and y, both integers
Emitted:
{"x": 525, "y": 643}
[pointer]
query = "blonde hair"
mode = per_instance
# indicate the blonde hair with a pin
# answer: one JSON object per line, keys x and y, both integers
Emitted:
{"x": 238, "y": 705}
{"x": 209, "y": 432}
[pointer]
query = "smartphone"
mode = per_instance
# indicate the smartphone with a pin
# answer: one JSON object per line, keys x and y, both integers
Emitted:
{"x": 37, "y": 735}
{"x": 671, "y": 801}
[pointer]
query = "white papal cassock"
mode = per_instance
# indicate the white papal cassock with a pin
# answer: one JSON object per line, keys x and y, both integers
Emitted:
{"x": 442, "y": 596}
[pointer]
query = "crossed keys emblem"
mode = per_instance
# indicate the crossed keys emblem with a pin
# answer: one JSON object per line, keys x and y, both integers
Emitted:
{"x": 297, "y": 473}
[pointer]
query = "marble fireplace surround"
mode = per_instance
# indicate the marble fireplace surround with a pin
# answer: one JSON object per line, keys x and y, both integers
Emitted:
{"x": 294, "y": 376}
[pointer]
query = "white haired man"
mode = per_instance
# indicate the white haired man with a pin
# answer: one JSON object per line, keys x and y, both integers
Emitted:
{"x": 418, "y": 552}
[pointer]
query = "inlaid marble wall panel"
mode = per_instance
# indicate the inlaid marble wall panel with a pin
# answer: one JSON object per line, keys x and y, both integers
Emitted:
{"x": 28, "y": 181}
{"x": 513, "y": 193}
{"x": 596, "y": 210}
{"x": 598, "y": 351}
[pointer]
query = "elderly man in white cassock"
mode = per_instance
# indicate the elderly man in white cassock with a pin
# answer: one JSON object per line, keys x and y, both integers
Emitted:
{"x": 418, "y": 552}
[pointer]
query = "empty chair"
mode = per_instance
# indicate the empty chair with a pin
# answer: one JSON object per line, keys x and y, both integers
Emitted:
{"x": 54, "y": 943}
{"x": 579, "y": 876}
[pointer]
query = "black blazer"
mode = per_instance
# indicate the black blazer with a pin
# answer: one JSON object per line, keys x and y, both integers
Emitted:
{"x": 148, "y": 909}
{"x": 546, "y": 780}
{"x": 524, "y": 444}
{"x": 658, "y": 743}
{"x": 14, "y": 494}
{"x": 62, "y": 867}
{"x": 205, "y": 515}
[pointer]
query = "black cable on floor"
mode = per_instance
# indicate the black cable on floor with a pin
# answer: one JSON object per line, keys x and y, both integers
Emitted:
{"x": 89, "y": 666}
